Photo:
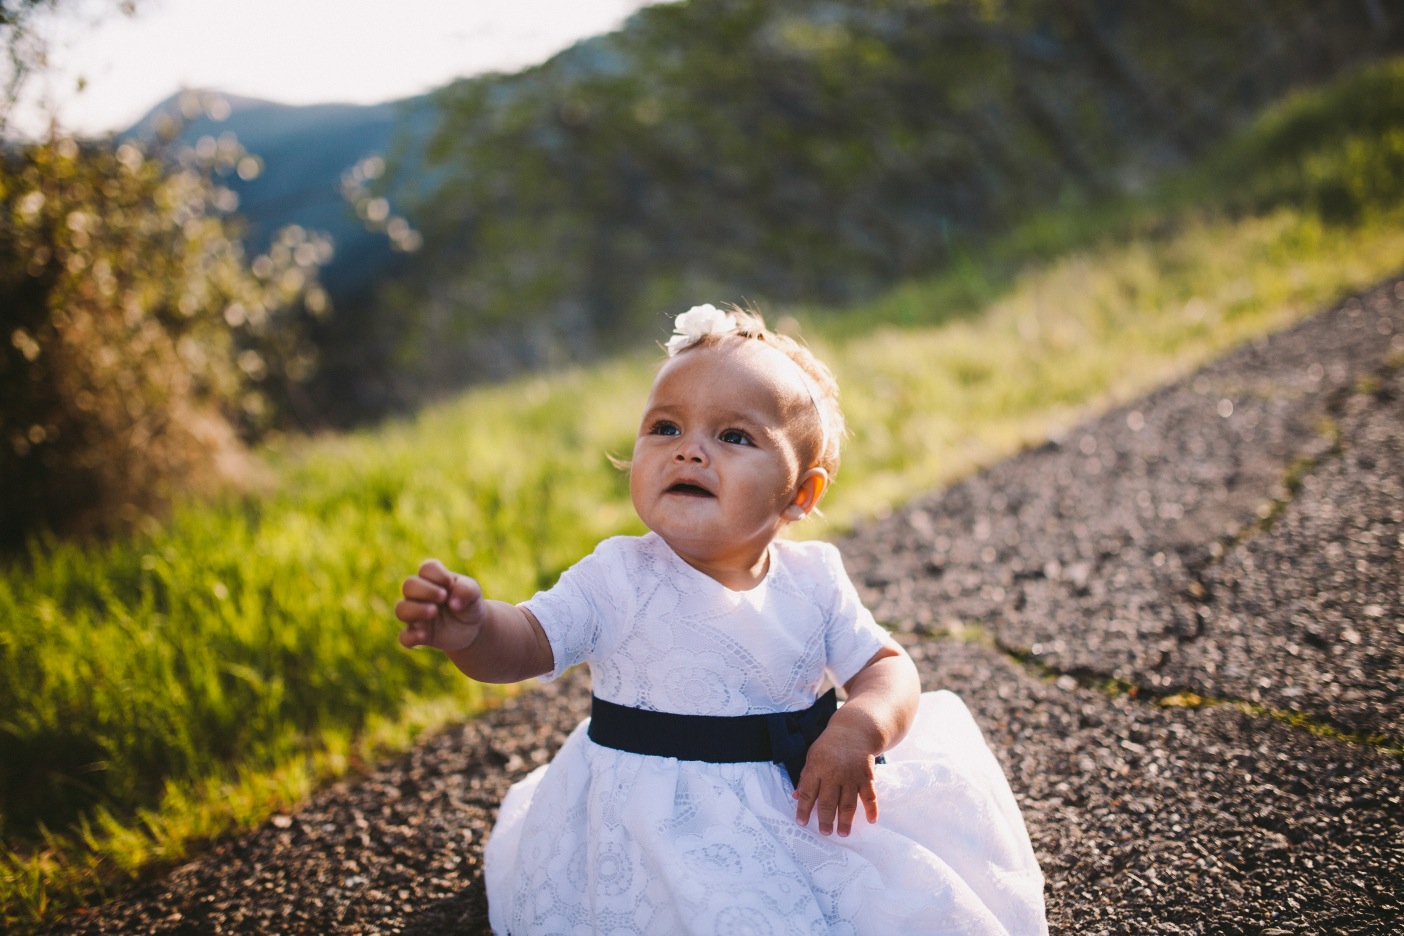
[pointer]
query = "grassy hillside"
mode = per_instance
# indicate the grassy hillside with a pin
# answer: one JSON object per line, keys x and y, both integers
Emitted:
{"x": 159, "y": 692}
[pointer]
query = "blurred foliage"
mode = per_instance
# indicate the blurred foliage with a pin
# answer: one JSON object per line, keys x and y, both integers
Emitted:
{"x": 1337, "y": 151}
{"x": 787, "y": 150}
{"x": 139, "y": 345}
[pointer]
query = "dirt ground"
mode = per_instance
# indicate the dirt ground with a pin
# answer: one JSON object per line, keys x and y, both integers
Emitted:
{"x": 1181, "y": 627}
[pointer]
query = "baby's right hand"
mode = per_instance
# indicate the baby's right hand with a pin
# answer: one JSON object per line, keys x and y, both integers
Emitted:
{"x": 440, "y": 609}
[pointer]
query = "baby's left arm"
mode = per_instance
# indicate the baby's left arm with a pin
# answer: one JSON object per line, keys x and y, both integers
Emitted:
{"x": 838, "y": 772}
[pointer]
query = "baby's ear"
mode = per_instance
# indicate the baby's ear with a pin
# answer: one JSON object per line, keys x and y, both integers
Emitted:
{"x": 812, "y": 485}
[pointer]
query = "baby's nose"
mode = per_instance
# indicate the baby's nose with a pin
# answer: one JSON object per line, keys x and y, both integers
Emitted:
{"x": 690, "y": 450}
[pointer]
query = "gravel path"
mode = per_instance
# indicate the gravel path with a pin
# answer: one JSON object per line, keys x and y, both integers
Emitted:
{"x": 1181, "y": 627}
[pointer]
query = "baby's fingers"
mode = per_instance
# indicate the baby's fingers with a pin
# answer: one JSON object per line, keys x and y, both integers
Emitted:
{"x": 826, "y": 800}
{"x": 434, "y": 571}
{"x": 806, "y": 794}
{"x": 415, "y": 612}
{"x": 421, "y": 590}
{"x": 438, "y": 586}
{"x": 867, "y": 794}
{"x": 847, "y": 808}
{"x": 416, "y": 634}
{"x": 463, "y": 592}
{"x": 836, "y": 804}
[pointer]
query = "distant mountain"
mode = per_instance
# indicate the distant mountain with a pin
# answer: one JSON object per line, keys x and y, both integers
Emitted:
{"x": 305, "y": 151}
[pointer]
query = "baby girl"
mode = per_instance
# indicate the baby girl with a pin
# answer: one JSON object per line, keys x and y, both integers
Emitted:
{"x": 715, "y": 787}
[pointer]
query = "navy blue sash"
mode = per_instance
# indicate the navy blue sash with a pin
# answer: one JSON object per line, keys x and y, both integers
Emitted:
{"x": 782, "y": 738}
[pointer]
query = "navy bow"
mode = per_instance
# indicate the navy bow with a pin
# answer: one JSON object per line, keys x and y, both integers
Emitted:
{"x": 792, "y": 733}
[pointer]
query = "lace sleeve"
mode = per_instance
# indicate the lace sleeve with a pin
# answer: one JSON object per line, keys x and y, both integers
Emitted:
{"x": 572, "y": 610}
{"x": 852, "y": 636}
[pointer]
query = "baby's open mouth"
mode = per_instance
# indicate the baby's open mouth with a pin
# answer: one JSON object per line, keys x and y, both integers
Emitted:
{"x": 691, "y": 490}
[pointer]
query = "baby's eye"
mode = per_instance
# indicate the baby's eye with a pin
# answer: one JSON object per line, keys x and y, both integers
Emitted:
{"x": 663, "y": 428}
{"x": 735, "y": 437}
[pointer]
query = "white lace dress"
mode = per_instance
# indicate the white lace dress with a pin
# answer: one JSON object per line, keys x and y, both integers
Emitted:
{"x": 606, "y": 841}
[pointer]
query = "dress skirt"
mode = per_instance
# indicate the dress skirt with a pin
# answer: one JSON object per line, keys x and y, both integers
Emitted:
{"x": 602, "y": 841}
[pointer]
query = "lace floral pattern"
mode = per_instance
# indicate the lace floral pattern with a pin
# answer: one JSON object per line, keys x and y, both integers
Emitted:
{"x": 605, "y": 841}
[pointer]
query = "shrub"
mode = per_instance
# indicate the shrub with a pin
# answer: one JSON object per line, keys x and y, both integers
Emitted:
{"x": 1337, "y": 151}
{"x": 137, "y": 348}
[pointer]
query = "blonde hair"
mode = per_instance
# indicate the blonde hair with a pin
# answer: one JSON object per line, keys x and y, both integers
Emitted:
{"x": 822, "y": 387}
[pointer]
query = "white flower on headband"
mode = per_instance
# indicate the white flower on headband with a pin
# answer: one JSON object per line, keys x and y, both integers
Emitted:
{"x": 696, "y": 323}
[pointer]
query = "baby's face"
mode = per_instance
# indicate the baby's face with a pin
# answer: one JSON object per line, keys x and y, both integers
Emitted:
{"x": 716, "y": 462}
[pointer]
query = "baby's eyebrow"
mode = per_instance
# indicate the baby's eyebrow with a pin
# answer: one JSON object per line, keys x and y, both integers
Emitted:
{"x": 738, "y": 420}
{"x": 674, "y": 410}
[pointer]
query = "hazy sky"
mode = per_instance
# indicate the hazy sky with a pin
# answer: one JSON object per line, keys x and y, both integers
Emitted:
{"x": 292, "y": 51}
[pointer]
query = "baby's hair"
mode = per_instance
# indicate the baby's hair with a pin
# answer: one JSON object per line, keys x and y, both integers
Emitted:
{"x": 821, "y": 383}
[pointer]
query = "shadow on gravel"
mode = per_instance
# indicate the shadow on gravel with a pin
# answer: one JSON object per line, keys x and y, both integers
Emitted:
{"x": 465, "y": 913}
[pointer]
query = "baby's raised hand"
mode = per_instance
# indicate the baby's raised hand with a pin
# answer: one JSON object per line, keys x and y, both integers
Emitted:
{"x": 440, "y": 609}
{"x": 837, "y": 776}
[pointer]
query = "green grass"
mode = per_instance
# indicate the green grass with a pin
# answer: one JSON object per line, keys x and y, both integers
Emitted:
{"x": 161, "y": 692}
{"x": 1077, "y": 334}
{"x": 147, "y": 685}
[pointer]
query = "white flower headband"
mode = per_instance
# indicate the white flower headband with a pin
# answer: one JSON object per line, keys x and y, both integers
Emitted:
{"x": 697, "y": 323}
{"x": 700, "y": 321}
